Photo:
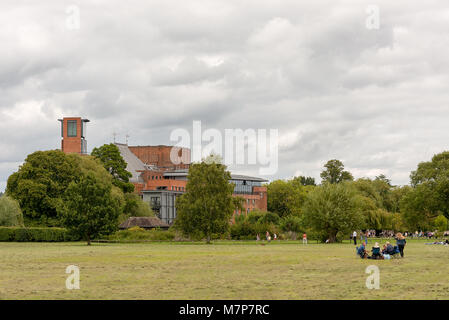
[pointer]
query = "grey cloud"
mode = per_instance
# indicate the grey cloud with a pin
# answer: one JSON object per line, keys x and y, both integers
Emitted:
{"x": 376, "y": 99}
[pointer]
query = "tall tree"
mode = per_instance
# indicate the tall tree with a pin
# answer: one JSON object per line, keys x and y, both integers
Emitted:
{"x": 333, "y": 208}
{"x": 383, "y": 178}
{"x": 40, "y": 182}
{"x": 113, "y": 162}
{"x": 207, "y": 206}
{"x": 305, "y": 181}
{"x": 92, "y": 208}
{"x": 334, "y": 172}
{"x": 430, "y": 194}
{"x": 285, "y": 197}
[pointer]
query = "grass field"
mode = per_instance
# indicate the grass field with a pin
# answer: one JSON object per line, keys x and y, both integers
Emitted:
{"x": 223, "y": 270}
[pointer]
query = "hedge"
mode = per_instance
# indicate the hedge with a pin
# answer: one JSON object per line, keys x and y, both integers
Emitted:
{"x": 140, "y": 234}
{"x": 36, "y": 234}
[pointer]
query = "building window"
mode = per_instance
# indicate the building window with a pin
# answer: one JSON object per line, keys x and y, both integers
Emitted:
{"x": 71, "y": 128}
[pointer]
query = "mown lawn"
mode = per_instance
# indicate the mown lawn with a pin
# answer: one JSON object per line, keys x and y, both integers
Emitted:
{"x": 223, "y": 270}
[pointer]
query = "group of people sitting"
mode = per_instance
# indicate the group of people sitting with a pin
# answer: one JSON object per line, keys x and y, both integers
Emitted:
{"x": 388, "y": 251}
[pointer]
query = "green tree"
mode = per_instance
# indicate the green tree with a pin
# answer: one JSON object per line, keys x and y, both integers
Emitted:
{"x": 383, "y": 178}
{"x": 397, "y": 193}
{"x": 441, "y": 223}
{"x": 207, "y": 205}
{"x": 92, "y": 208}
{"x": 135, "y": 207}
{"x": 292, "y": 224}
{"x": 334, "y": 172}
{"x": 10, "y": 213}
{"x": 257, "y": 216}
{"x": 333, "y": 208}
{"x": 429, "y": 196}
{"x": 40, "y": 182}
{"x": 113, "y": 162}
{"x": 380, "y": 202}
{"x": 305, "y": 181}
{"x": 285, "y": 197}
{"x": 416, "y": 209}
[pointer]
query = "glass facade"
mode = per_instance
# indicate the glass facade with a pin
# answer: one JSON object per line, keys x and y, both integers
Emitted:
{"x": 83, "y": 146}
{"x": 83, "y": 129}
{"x": 245, "y": 186}
{"x": 71, "y": 128}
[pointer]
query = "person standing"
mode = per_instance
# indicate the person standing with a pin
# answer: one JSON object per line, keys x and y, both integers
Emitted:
{"x": 354, "y": 237}
{"x": 400, "y": 241}
{"x": 304, "y": 238}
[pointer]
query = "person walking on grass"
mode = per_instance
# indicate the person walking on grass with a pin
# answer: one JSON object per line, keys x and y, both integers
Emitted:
{"x": 354, "y": 237}
{"x": 400, "y": 241}
{"x": 304, "y": 238}
{"x": 268, "y": 236}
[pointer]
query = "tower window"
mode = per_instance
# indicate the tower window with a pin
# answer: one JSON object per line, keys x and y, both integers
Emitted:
{"x": 71, "y": 128}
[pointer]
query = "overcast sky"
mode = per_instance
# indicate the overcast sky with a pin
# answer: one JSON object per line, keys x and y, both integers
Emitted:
{"x": 377, "y": 99}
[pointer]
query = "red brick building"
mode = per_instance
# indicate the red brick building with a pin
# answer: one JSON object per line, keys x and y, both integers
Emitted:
{"x": 73, "y": 133}
{"x": 160, "y": 182}
{"x": 156, "y": 178}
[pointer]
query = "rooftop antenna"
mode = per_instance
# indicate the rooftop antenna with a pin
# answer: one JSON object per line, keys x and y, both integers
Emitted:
{"x": 114, "y": 134}
{"x": 127, "y": 136}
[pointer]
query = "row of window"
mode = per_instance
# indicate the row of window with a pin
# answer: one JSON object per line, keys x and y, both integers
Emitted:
{"x": 246, "y": 183}
{"x": 163, "y": 177}
{"x": 248, "y": 210}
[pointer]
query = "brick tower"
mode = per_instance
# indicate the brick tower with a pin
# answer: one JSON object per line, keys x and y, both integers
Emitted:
{"x": 73, "y": 133}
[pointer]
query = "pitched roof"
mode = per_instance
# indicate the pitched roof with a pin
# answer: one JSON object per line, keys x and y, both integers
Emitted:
{"x": 143, "y": 222}
{"x": 134, "y": 164}
{"x": 243, "y": 177}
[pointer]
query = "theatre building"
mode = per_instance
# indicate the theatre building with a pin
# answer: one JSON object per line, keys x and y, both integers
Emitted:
{"x": 160, "y": 182}
{"x": 156, "y": 178}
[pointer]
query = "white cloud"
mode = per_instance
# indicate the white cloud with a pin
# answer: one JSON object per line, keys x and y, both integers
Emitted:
{"x": 376, "y": 99}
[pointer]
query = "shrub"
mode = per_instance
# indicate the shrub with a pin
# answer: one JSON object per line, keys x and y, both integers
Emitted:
{"x": 10, "y": 213}
{"x": 257, "y": 216}
{"x": 257, "y": 222}
{"x": 140, "y": 234}
{"x": 36, "y": 234}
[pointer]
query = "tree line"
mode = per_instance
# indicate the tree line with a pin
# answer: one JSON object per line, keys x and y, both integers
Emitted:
{"x": 88, "y": 195}
{"x": 330, "y": 211}
{"x": 341, "y": 204}
{"x": 91, "y": 195}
